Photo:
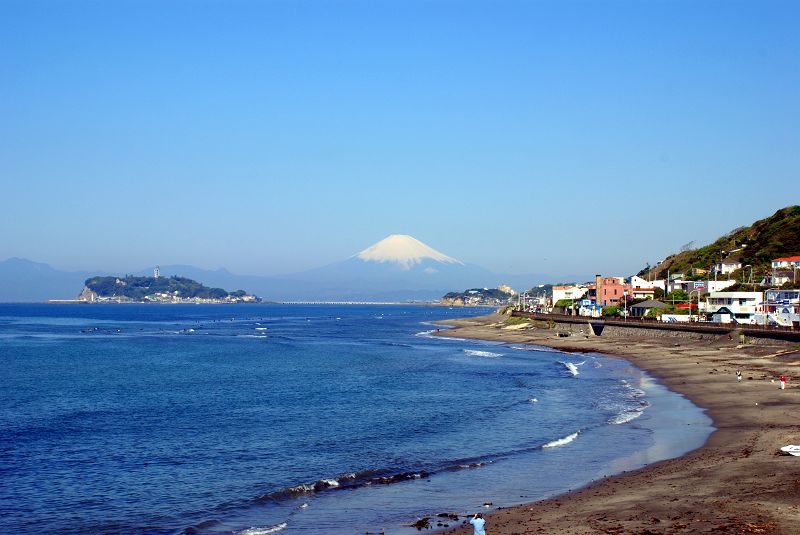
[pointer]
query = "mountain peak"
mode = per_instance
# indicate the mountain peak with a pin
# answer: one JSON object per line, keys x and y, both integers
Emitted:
{"x": 404, "y": 250}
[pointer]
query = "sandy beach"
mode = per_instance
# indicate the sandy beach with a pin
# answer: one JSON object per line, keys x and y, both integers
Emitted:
{"x": 736, "y": 483}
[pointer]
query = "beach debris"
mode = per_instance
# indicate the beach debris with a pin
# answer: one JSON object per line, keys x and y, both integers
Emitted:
{"x": 791, "y": 449}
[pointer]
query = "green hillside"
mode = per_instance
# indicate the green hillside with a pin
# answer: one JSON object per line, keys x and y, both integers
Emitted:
{"x": 756, "y": 245}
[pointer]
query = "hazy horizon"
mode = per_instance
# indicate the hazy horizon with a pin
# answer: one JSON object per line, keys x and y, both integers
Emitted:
{"x": 273, "y": 138}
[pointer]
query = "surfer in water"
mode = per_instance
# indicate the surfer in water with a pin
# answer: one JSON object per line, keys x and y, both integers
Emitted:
{"x": 478, "y": 522}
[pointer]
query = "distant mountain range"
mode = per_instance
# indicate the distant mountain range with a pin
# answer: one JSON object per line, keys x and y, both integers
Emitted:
{"x": 398, "y": 268}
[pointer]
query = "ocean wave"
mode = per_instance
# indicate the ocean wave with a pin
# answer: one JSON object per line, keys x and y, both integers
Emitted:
{"x": 476, "y": 353}
{"x": 261, "y": 328}
{"x": 562, "y": 441}
{"x": 573, "y": 369}
{"x": 263, "y": 531}
{"x": 625, "y": 417}
{"x": 533, "y": 400}
{"x": 347, "y": 481}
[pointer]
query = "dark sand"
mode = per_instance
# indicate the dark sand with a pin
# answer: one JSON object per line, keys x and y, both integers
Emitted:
{"x": 736, "y": 483}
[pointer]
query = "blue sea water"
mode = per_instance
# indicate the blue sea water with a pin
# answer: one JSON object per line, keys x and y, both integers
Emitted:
{"x": 256, "y": 419}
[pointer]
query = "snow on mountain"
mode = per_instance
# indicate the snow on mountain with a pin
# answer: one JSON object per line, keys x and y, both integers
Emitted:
{"x": 404, "y": 250}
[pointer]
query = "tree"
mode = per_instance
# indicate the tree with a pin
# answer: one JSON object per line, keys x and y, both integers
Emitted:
{"x": 611, "y": 311}
{"x": 678, "y": 295}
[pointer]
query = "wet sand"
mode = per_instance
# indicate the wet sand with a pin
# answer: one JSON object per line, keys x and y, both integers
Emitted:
{"x": 736, "y": 483}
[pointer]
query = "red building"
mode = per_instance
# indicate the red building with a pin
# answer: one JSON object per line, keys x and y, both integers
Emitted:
{"x": 611, "y": 291}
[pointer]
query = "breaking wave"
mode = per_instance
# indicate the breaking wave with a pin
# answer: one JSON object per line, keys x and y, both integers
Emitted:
{"x": 263, "y": 531}
{"x": 573, "y": 369}
{"x": 562, "y": 441}
{"x": 476, "y": 353}
{"x": 626, "y": 416}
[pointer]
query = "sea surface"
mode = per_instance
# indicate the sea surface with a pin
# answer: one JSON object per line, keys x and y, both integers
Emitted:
{"x": 259, "y": 419}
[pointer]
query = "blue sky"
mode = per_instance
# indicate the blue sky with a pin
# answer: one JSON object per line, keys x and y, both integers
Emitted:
{"x": 271, "y": 137}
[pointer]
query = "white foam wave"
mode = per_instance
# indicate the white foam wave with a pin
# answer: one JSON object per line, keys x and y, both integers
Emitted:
{"x": 261, "y": 328}
{"x": 264, "y": 531}
{"x": 562, "y": 441}
{"x": 475, "y": 353}
{"x": 571, "y": 367}
{"x": 626, "y": 417}
{"x": 252, "y": 335}
{"x": 533, "y": 400}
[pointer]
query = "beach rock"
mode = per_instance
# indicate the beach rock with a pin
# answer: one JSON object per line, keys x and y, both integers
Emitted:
{"x": 422, "y": 523}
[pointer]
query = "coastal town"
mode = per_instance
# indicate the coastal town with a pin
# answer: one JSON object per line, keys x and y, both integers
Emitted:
{"x": 723, "y": 293}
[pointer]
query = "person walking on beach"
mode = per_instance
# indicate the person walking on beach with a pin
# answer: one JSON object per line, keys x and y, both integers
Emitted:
{"x": 782, "y": 379}
{"x": 738, "y": 376}
{"x": 478, "y": 522}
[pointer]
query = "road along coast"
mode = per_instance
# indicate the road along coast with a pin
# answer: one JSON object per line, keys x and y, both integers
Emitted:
{"x": 736, "y": 483}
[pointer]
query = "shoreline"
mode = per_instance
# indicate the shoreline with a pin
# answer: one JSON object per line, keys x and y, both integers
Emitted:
{"x": 734, "y": 483}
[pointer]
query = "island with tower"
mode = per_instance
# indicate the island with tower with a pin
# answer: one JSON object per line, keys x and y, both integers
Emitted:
{"x": 157, "y": 289}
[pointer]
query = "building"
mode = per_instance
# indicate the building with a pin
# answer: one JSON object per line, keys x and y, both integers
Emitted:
{"x": 782, "y": 307}
{"x": 637, "y": 282}
{"x": 641, "y": 309}
{"x": 782, "y": 301}
{"x": 788, "y": 262}
{"x": 718, "y": 286}
{"x": 740, "y": 307}
{"x": 505, "y": 288}
{"x": 643, "y": 293}
{"x": 642, "y": 288}
{"x": 726, "y": 267}
{"x": 571, "y": 292}
{"x": 611, "y": 291}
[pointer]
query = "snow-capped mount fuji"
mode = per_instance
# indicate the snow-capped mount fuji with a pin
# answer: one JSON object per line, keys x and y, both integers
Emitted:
{"x": 397, "y": 268}
{"x": 405, "y": 251}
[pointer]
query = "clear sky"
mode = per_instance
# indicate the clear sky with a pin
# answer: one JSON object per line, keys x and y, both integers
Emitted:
{"x": 271, "y": 137}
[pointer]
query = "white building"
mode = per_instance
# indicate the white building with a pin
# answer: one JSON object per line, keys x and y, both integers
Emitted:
{"x": 787, "y": 301}
{"x": 782, "y": 306}
{"x": 788, "y": 262}
{"x": 740, "y": 307}
{"x": 726, "y": 267}
{"x": 718, "y": 286}
{"x": 568, "y": 292}
{"x": 643, "y": 293}
{"x": 637, "y": 282}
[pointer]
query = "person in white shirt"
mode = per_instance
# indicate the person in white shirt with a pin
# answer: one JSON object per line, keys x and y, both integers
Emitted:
{"x": 477, "y": 522}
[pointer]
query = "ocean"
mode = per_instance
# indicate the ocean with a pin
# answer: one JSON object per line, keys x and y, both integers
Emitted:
{"x": 256, "y": 419}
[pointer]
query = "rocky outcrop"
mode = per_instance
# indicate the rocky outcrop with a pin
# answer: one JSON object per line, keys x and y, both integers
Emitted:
{"x": 87, "y": 295}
